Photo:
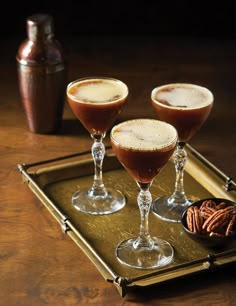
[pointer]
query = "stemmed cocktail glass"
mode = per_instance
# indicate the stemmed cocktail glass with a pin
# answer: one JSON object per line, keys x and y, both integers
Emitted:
{"x": 186, "y": 107}
{"x": 97, "y": 102}
{"x": 143, "y": 146}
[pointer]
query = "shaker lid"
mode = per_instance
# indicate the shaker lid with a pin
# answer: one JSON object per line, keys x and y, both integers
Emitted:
{"x": 45, "y": 49}
{"x": 39, "y": 25}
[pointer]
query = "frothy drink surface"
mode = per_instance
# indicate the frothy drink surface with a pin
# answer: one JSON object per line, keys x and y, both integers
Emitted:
{"x": 183, "y": 96}
{"x": 145, "y": 134}
{"x": 98, "y": 91}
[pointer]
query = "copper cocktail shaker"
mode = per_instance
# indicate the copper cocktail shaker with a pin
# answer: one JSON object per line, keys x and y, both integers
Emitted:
{"x": 42, "y": 75}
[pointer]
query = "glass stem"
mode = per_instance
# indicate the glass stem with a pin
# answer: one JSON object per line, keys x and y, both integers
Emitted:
{"x": 98, "y": 153}
{"x": 144, "y": 203}
{"x": 180, "y": 158}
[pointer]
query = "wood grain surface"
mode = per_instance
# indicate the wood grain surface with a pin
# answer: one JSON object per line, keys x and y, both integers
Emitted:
{"x": 39, "y": 264}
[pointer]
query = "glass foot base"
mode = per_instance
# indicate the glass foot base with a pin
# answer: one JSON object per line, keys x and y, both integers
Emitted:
{"x": 161, "y": 254}
{"x": 98, "y": 205}
{"x": 166, "y": 209}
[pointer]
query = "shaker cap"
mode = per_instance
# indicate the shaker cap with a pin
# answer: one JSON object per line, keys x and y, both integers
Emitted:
{"x": 41, "y": 47}
{"x": 39, "y": 26}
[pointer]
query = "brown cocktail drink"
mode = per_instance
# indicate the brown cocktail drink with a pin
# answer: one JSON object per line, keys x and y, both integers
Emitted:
{"x": 144, "y": 146}
{"x": 186, "y": 107}
{"x": 141, "y": 148}
{"x": 97, "y": 102}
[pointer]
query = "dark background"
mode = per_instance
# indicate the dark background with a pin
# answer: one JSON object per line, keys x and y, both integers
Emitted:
{"x": 88, "y": 18}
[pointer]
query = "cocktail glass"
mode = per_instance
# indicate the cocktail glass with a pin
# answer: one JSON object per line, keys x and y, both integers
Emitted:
{"x": 186, "y": 107}
{"x": 97, "y": 102}
{"x": 143, "y": 147}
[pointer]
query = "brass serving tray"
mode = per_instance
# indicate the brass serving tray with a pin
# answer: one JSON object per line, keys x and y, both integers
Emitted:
{"x": 54, "y": 182}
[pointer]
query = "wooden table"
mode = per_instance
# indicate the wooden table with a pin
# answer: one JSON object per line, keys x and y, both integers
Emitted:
{"x": 39, "y": 265}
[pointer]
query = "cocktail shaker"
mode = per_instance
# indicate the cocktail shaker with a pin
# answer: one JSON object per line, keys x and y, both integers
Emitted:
{"x": 42, "y": 75}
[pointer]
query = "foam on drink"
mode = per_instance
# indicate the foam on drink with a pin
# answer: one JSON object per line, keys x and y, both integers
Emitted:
{"x": 145, "y": 134}
{"x": 183, "y": 96}
{"x": 98, "y": 91}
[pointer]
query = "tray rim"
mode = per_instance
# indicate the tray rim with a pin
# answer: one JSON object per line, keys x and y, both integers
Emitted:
{"x": 225, "y": 183}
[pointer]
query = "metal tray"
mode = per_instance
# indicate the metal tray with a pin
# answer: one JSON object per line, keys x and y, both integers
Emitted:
{"x": 54, "y": 181}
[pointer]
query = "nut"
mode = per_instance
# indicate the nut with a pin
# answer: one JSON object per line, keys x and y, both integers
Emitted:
{"x": 194, "y": 219}
{"x": 230, "y": 226}
{"x": 212, "y": 219}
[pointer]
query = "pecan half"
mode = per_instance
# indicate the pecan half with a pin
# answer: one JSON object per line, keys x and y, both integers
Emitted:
{"x": 230, "y": 226}
{"x": 198, "y": 220}
{"x": 217, "y": 223}
{"x": 207, "y": 211}
{"x": 221, "y": 205}
{"x": 208, "y": 203}
{"x": 211, "y": 219}
{"x": 194, "y": 219}
{"x": 189, "y": 218}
